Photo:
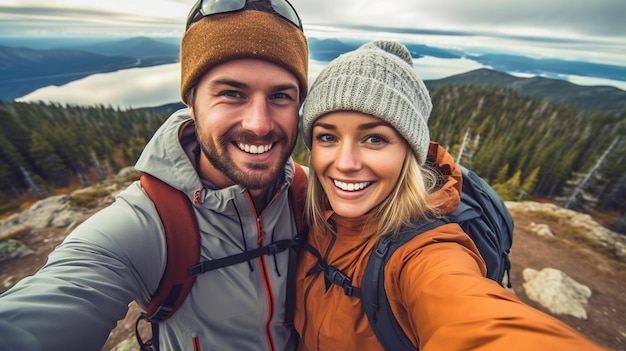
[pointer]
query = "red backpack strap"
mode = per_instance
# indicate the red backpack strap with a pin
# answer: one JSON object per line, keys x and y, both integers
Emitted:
{"x": 183, "y": 247}
{"x": 298, "y": 196}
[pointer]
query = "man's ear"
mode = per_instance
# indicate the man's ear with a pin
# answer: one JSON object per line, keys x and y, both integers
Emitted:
{"x": 191, "y": 95}
{"x": 191, "y": 113}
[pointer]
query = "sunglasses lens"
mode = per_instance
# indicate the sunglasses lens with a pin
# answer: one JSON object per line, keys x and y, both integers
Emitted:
{"x": 220, "y": 6}
{"x": 283, "y": 8}
{"x": 205, "y": 8}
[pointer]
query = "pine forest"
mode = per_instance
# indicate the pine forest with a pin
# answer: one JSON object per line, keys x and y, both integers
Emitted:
{"x": 525, "y": 147}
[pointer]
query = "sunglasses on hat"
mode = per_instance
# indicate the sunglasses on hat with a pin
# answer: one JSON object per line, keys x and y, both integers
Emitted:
{"x": 204, "y": 8}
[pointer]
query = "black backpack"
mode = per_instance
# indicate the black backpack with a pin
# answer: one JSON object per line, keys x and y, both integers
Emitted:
{"x": 481, "y": 214}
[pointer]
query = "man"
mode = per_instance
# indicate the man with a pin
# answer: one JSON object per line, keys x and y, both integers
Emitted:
{"x": 244, "y": 76}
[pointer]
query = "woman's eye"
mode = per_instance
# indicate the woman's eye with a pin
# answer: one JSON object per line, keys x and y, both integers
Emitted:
{"x": 375, "y": 139}
{"x": 324, "y": 138}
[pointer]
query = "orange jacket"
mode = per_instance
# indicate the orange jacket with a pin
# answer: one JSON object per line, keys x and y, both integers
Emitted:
{"x": 437, "y": 290}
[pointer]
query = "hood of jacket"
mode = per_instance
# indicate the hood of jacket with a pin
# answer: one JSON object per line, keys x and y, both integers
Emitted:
{"x": 448, "y": 196}
{"x": 167, "y": 154}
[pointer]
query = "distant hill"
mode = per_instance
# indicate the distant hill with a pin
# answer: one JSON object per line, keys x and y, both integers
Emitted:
{"x": 551, "y": 67}
{"x": 601, "y": 98}
{"x": 328, "y": 49}
{"x": 164, "y": 110}
{"x": 139, "y": 47}
{"x": 23, "y": 70}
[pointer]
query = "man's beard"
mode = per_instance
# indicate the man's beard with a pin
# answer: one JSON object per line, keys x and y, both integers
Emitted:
{"x": 221, "y": 160}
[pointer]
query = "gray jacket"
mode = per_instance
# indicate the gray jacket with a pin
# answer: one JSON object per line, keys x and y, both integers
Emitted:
{"x": 118, "y": 255}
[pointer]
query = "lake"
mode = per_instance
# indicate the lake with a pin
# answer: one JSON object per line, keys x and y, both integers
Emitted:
{"x": 159, "y": 85}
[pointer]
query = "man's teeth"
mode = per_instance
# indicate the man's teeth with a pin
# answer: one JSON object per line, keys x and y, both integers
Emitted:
{"x": 255, "y": 149}
{"x": 351, "y": 186}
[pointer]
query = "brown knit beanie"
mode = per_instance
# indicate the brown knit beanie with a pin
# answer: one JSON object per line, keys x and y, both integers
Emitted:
{"x": 243, "y": 34}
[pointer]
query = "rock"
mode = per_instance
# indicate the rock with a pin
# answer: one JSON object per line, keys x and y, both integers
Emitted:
{"x": 589, "y": 227}
{"x": 66, "y": 218}
{"x": 15, "y": 230}
{"x": 556, "y": 291}
{"x": 10, "y": 248}
{"x": 8, "y": 281}
{"x": 52, "y": 211}
{"x": 541, "y": 229}
{"x": 126, "y": 171}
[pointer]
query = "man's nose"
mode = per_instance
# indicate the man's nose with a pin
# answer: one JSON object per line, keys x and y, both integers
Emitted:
{"x": 258, "y": 118}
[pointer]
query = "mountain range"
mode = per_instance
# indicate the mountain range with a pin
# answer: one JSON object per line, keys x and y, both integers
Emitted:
{"x": 602, "y": 98}
{"x": 25, "y": 69}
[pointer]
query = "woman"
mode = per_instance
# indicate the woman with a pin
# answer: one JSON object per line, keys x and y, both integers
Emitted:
{"x": 373, "y": 172}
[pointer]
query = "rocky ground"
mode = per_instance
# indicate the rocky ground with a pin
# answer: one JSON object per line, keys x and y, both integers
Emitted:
{"x": 584, "y": 262}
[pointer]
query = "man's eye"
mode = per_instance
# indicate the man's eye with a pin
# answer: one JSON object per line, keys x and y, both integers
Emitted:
{"x": 231, "y": 93}
{"x": 282, "y": 96}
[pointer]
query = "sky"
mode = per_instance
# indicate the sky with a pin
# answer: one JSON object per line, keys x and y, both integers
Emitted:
{"x": 582, "y": 30}
{"x": 592, "y": 30}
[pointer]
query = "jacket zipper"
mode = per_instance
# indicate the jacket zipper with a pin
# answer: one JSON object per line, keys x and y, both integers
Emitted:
{"x": 196, "y": 343}
{"x": 268, "y": 287}
{"x": 266, "y": 279}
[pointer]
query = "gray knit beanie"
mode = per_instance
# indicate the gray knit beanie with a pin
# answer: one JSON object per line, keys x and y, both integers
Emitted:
{"x": 377, "y": 79}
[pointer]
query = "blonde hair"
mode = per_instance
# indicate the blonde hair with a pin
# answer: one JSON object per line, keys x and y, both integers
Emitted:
{"x": 408, "y": 202}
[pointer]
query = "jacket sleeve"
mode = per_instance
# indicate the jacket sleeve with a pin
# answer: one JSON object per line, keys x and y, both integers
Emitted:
{"x": 77, "y": 297}
{"x": 442, "y": 297}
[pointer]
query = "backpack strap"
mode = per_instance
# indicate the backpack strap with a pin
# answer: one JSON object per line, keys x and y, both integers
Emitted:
{"x": 271, "y": 249}
{"x": 375, "y": 301}
{"x": 332, "y": 275}
{"x": 484, "y": 217}
{"x": 182, "y": 238}
{"x": 297, "y": 197}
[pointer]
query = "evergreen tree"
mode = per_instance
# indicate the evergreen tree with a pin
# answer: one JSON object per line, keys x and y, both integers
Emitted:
{"x": 580, "y": 192}
{"x": 465, "y": 152}
{"x": 528, "y": 186}
{"x": 100, "y": 170}
{"x": 10, "y": 180}
{"x": 502, "y": 175}
{"x": 300, "y": 153}
{"x": 35, "y": 184}
{"x": 48, "y": 163}
{"x": 511, "y": 189}
{"x": 133, "y": 150}
{"x": 617, "y": 197}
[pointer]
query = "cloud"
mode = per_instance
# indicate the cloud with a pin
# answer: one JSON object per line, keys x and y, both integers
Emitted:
{"x": 86, "y": 18}
{"x": 561, "y": 18}
{"x": 555, "y": 17}
{"x": 587, "y": 27}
